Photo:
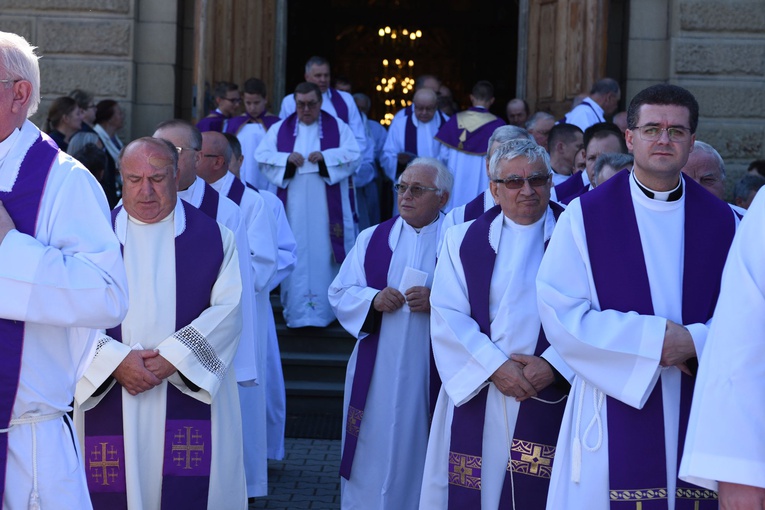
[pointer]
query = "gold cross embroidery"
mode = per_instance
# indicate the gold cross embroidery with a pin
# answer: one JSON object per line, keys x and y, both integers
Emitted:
{"x": 188, "y": 452}
{"x": 99, "y": 461}
{"x": 463, "y": 470}
{"x": 535, "y": 459}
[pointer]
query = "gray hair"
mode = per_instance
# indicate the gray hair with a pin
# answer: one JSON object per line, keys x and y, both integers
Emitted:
{"x": 360, "y": 96}
{"x": 315, "y": 61}
{"x": 80, "y": 140}
{"x": 746, "y": 185}
{"x": 444, "y": 180}
{"x": 705, "y": 147}
{"x": 18, "y": 58}
{"x": 517, "y": 148}
{"x": 616, "y": 160}
{"x": 504, "y": 134}
{"x": 536, "y": 118}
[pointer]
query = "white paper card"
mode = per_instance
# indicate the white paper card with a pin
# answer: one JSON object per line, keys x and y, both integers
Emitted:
{"x": 412, "y": 278}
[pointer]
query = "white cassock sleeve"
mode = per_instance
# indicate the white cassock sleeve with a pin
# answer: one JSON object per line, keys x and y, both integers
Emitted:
{"x": 342, "y": 161}
{"x": 285, "y": 241}
{"x": 725, "y": 440}
{"x": 393, "y": 145}
{"x": 465, "y": 357}
{"x": 71, "y": 274}
{"x": 261, "y": 237}
{"x": 349, "y": 295}
{"x": 617, "y": 352}
{"x": 272, "y": 163}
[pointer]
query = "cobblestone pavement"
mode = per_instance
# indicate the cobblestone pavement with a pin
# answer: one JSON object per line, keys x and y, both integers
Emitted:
{"x": 306, "y": 478}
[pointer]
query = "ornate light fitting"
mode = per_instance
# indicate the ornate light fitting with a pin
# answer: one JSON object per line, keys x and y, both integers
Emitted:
{"x": 396, "y": 82}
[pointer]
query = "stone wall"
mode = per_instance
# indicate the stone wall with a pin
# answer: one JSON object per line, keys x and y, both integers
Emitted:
{"x": 118, "y": 49}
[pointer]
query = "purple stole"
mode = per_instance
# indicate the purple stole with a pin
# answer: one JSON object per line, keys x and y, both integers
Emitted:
{"x": 236, "y": 192}
{"x": 474, "y": 208}
{"x": 341, "y": 109}
{"x": 571, "y": 188}
{"x": 376, "y": 266}
{"x": 329, "y": 131}
{"x": 188, "y": 439}
{"x": 616, "y": 257}
{"x": 410, "y": 132}
{"x": 235, "y": 124}
{"x": 473, "y": 142}
{"x": 210, "y": 200}
{"x": 216, "y": 121}
{"x": 23, "y": 205}
{"x": 537, "y": 425}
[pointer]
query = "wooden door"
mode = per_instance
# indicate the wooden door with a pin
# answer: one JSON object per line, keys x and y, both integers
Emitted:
{"x": 566, "y": 51}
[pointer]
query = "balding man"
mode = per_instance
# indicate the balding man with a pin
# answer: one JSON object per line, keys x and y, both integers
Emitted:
{"x": 161, "y": 411}
{"x": 539, "y": 126}
{"x": 517, "y": 111}
{"x": 381, "y": 296}
{"x": 706, "y": 166}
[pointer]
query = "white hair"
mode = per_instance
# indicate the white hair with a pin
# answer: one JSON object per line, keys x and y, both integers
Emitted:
{"x": 504, "y": 134}
{"x": 514, "y": 149}
{"x": 18, "y": 59}
{"x": 444, "y": 179}
{"x": 700, "y": 146}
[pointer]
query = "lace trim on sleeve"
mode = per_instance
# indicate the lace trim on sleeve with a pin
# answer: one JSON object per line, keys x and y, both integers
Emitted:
{"x": 203, "y": 351}
{"x": 101, "y": 342}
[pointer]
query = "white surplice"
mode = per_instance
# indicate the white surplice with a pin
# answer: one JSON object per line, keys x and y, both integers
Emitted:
{"x": 250, "y": 136}
{"x": 613, "y": 352}
{"x": 457, "y": 215}
{"x": 466, "y": 357}
{"x": 427, "y": 145}
{"x": 387, "y": 466}
{"x": 469, "y": 171}
{"x": 149, "y": 254}
{"x": 304, "y": 292}
{"x": 261, "y": 236}
{"x": 66, "y": 279}
{"x": 725, "y": 439}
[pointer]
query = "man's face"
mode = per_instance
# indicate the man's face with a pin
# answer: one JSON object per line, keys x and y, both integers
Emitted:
{"x": 425, "y": 108}
{"x": 516, "y": 113}
{"x": 308, "y": 107}
{"x": 149, "y": 187}
{"x": 606, "y": 173}
{"x": 188, "y": 158}
{"x": 598, "y": 146}
{"x": 420, "y": 211}
{"x": 319, "y": 75}
{"x": 89, "y": 113}
{"x": 703, "y": 168}
{"x": 432, "y": 84}
{"x": 541, "y": 131}
{"x": 254, "y": 104}
{"x": 229, "y": 104}
{"x": 527, "y": 204}
{"x": 660, "y": 158}
{"x": 570, "y": 149}
{"x": 612, "y": 103}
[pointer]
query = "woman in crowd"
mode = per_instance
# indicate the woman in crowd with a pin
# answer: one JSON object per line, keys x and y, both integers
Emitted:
{"x": 64, "y": 120}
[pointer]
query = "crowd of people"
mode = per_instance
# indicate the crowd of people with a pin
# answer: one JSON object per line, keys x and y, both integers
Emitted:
{"x": 534, "y": 301}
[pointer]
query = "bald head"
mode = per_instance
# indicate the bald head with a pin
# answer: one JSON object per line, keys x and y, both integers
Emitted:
{"x": 425, "y": 104}
{"x": 517, "y": 112}
{"x": 150, "y": 181}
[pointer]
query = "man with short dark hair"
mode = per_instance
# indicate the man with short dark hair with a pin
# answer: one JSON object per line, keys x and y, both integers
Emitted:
{"x": 464, "y": 141}
{"x": 517, "y": 111}
{"x": 564, "y": 143}
{"x": 309, "y": 156}
{"x": 626, "y": 292}
{"x": 227, "y": 100}
{"x": 746, "y": 189}
{"x": 602, "y": 102}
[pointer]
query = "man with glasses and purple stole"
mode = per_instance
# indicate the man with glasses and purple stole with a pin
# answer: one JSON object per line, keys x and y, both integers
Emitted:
{"x": 61, "y": 274}
{"x": 492, "y": 442}
{"x": 162, "y": 427}
{"x": 227, "y": 100}
{"x": 309, "y": 157}
{"x": 626, "y": 293}
{"x": 381, "y": 296}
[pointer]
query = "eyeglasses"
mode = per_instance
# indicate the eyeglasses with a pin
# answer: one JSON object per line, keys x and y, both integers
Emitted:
{"x": 306, "y": 106}
{"x": 535, "y": 181}
{"x": 653, "y": 133}
{"x": 10, "y": 80}
{"x": 234, "y": 100}
{"x": 416, "y": 191}
{"x": 211, "y": 156}
{"x": 181, "y": 149}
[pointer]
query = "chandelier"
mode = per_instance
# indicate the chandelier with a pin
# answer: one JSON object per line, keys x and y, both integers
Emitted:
{"x": 397, "y": 83}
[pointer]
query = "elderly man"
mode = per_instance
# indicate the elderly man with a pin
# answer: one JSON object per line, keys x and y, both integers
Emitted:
{"x": 60, "y": 274}
{"x": 706, "y": 166}
{"x": 539, "y": 126}
{"x": 609, "y": 164}
{"x": 598, "y": 139}
{"x": 161, "y": 411}
{"x": 602, "y": 102}
{"x": 724, "y": 449}
{"x": 517, "y": 111}
{"x": 497, "y": 416}
{"x": 261, "y": 237}
{"x": 464, "y": 139}
{"x": 227, "y": 101}
{"x": 626, "y": 299}
{"x": 309, "y": 157}
{"x": 412, "y": 136}
{"x": 381, "y": 296}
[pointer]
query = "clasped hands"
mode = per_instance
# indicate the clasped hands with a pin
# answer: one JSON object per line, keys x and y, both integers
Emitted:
{"x": 297, "y": 159}
{"x": 142, "y": 370}
{"x": 390, "y": 299}
{"x": 523, "y": 376}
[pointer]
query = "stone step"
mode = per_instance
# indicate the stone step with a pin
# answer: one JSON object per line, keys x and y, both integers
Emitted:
{"x": 309, "y": 397}
{"x": 320, "y": 366}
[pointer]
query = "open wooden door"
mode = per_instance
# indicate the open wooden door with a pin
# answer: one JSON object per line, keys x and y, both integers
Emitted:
{"x": 566, "y": 51}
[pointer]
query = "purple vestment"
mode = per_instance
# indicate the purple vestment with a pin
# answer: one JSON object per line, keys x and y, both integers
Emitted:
{"x": 188, "y": 443}
{"x": 215, "y": 121}
{"x": 455, "y": 134}
{"x": 235, "y": 124}
{"x": 474, "y": 208}
{"x": 571, "y": 188}
{"x": 637, "y": 457}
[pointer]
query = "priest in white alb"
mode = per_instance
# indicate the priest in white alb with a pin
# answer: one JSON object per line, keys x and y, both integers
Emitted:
{"x": 309, "y": 156}
{"x": 381, "y": 296}
{"x": 158, "y": 405}
{"x": 492, "y": 443}
{"x": 626, "y": 293}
